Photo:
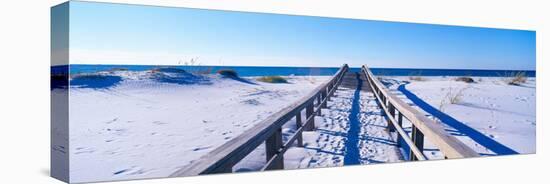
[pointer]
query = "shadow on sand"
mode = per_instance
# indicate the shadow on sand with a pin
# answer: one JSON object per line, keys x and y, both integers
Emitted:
{"x": 242, "y": 80}
{"x": 95, "y": 81}
{"x": 177, "y": 76}
{"x": 352, "y": 156}
{"x": 475, "y": 135}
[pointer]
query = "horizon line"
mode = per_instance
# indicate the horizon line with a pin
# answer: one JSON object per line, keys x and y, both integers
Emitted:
{"x": 371, "y": 67}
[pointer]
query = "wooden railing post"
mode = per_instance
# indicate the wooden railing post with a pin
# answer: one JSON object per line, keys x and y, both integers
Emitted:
{"x": 319, "y": 101}
{"x": 272, "y": 146}
{"x": 310, "y": 117}
{"x": 324, "y": 96}
{"x": 418, "y": 139}
{"x": 331, "y": 86}
{"x": 383, "y": 98}
{"x": 391, "y": 108}
{"x": 298, "y": 125}
{"x": 400, "y": 123}
{"x": 335, "y": 87}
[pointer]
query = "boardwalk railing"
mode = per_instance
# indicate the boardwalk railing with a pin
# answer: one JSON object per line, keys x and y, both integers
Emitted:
{"x": 223, "y": 158}
{"x": 422, "y": 126}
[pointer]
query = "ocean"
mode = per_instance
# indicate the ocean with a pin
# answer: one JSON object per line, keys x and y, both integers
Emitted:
{"x": 246, "y": 71}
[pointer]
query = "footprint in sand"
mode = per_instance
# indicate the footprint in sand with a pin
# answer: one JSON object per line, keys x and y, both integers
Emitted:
{"x": 336, "y": 160}
{"x": 83, "y": 150}
{"x": 111, "y": 121}
{"x": 522, "y": 99}
{"x": 251, "y": 102}
{"x": 201, "y": 148}
{"x": 159, "y": 123}
{"x": 111, "y": 152}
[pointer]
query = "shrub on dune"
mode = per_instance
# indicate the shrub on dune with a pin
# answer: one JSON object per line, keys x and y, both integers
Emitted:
{"x": 465, "y": 79}
{"x": 177, "y": 76}
{"x": 168, "y": 70}
{"x": 273, "y": 79}
{"x": 517, "y": 78}
{"x": 228, "y": 73}
{"x": 232, "y": 74}
{"x": 456, "y": 95}
{"x": 417, "y": 78}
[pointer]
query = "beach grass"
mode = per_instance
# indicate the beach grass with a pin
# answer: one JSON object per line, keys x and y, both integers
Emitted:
{"x": 517, "y": 78}
{"x": 193, "y": 66}
{"x": 273, "y": 79}
{"x": 228, "y": 73}
{"x": 465, "y": 79}
{"x": 455, "y": 95}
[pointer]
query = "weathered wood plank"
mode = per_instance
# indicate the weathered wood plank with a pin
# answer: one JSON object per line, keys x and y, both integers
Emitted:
{"x": 319, "y": 104}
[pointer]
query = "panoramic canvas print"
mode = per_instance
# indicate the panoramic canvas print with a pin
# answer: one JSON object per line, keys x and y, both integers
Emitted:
{"x": 143, "y": 92}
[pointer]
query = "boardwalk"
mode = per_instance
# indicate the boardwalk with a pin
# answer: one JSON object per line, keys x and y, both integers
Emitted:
{"x": 351, "y": 119}
{"x": 352, "y": 130}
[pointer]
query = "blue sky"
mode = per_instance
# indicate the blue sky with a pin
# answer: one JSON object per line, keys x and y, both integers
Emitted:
{"x": 129, "y": 34}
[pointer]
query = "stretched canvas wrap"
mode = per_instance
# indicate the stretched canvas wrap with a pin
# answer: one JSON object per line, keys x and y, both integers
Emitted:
{"x": 150, "y": 92}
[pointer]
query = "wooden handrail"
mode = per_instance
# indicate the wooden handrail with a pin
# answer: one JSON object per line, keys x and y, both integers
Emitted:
{"x": 421, "y": 125}
{"x": 223, "y": 158}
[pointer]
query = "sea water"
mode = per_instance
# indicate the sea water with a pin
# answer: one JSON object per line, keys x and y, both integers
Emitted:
{"x": 247, "y": 71}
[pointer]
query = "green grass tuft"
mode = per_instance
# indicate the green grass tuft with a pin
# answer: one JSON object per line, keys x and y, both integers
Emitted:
{"x": 228, "y": 73}
{"x": 273, "y": 79}
{"x": 465, "y": 79}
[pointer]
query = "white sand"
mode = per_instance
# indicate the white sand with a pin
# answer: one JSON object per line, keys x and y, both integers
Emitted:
{"x": 492, "y": 117}
{"x": 145, "y": 129}
{"x": 142, "y": 128}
